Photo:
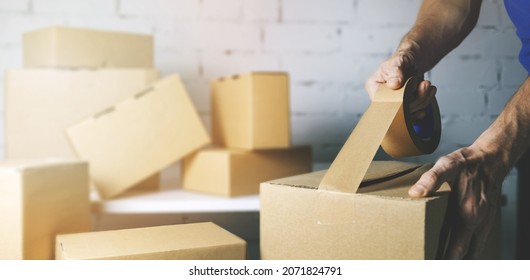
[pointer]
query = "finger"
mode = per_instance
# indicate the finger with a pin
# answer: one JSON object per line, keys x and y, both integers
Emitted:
{"x": 444, "y": 170}
{"x": 418, "y": 115}
{"x": 423, "y": 96}
{"x": 459, "y": 243}
{"x": 394, "y": 76}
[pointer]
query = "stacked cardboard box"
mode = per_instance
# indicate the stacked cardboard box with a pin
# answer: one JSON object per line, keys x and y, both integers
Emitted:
{"x": 94, "y": 95}
{"x": 251, "y": 132}
{"x": 69, "y": 74}
{"x": 38, "y": 200}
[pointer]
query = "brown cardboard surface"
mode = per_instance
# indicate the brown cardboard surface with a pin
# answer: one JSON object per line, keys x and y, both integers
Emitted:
{"x": 41, "y": 103}
{"x": 383, "y": 222}
{"x": 234, "y": 172}
{"x": 139, "y": 137}
{"x": 386, "y": 122}
{"x": 186, "y": 242}
{"x": 38, "y": 200}
{"x": 251, "y": 111}
{"x": 68, "y": 47}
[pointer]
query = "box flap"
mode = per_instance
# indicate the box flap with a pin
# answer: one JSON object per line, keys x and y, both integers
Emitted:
{"x": 378, "y": 171}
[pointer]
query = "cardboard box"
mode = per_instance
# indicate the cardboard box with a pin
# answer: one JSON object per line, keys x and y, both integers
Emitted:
{"x": 201, "y": 241}
{"x": 234, "y": 172}
{"x": 41, "y": 103}
{"x": 251, "y": 111}
{"x": 68, "y": 47}
{"x": 380, "y": 221}
{"x": 38, "y": 200}
{"x": 139, "y": 137}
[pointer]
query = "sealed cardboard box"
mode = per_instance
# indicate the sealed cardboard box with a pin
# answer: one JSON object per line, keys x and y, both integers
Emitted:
{"x": 251, "y": 111}
{"x": 38, "y": 200}
{"x": 41, "y": 103}
{"x": 139, "y": 136}
{"x": 234, "y": 172}
{"x": 68, "y": 47}
{"x": 380, "y": 221}
{"x": 201, "y": 241}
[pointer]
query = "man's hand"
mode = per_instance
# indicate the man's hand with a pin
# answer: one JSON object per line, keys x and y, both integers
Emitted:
{"x": 475, "y": 177}
{"x": 394, "y": 73}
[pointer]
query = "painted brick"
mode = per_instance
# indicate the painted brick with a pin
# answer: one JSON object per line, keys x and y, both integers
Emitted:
{"x": 356, "y": 101}
{"x": 226, "y": 36}
{"x": 199, "y": 91}
{"x": 461, "y": 101}
{"x": 363, "y": 40}
{"x": 14, "y": 6}
{"x": 488, "y": 42}
{"x": 387, "y": 12}
{"x": 317, "y": 10}
{"x": 74, "y": 6}
{"x": 261, "y": 10}
{"x": 225, "y": 10}
{"x": 321, "y": 129}
{"x": 322, "y": 68}
{"x": 207, "y": 35}
{"x": 217, "y": 65}
{"x": 465, "y": 73}
{"x": 12, "y": 27}
{"x": 497, "y": 98}
{"x": 182, "y": 9}
{"x": 112, "y": 23}
{"x": 463, "y": 131}
{"x": 490, "y": 13}
{"x": 186, "y": 64}
{"x": 317, "y": 98}
{"x": 9, "y": 58}
{"x": 513, "y": 73}
{"x": 301, "y": 37}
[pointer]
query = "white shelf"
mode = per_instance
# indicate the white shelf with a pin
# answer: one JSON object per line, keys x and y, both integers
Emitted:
{"x": 174, "y": 201}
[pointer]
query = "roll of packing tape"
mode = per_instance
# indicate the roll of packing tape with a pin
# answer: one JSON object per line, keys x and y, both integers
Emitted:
{"x": 386, "y": 122}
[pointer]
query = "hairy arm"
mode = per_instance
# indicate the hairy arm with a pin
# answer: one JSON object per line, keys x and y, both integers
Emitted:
{"x": 441, "y": 25}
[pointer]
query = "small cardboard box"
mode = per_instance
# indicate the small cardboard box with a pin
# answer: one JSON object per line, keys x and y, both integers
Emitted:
{"x": 234, "y": 172}
{"x": 139, "y": 137}
{"x": 67, "y": 47}
{"x": 41, "y": 103}
{"x": 251, "y": 111}
{"x": 380, "y": 221}
{"x": 201, "y": 241}
{"x": 38, "y": 200}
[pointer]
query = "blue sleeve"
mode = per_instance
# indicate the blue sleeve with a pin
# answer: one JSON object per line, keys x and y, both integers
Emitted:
{"x": 519, "y": 12}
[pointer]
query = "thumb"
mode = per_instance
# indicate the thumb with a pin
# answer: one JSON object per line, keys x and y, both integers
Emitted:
{"x": 444, "y": 169}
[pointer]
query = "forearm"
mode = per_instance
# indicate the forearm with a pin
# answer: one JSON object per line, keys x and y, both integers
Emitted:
{"x": 441, "y": 25}
{"x": 509, "y": 135}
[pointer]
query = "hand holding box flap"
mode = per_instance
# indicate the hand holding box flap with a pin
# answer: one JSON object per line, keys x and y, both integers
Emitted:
{"x": 69, "y": 47}
{"x": 38, "y": 200}
{"x": 205, "y": 241}
{"x": 139, "y": 136}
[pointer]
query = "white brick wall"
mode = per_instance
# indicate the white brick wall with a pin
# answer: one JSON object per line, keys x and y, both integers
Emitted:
{"x": 329, "y": 47}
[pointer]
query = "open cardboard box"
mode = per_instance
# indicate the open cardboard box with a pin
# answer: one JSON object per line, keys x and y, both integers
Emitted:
{"x": 380, "y": 221}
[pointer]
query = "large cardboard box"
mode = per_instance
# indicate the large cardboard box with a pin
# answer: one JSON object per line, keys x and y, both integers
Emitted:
{"x": 68, "y": 47}
{"x": 138, "y": 137}
{"x": 38, "y": 200}
{"x": 380, "y": 221}
{"x": 251, "y": 111}
{"x": 234, "y": 172}
{"x": 205, "y": 241}
{"x": 41, "y": 103}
